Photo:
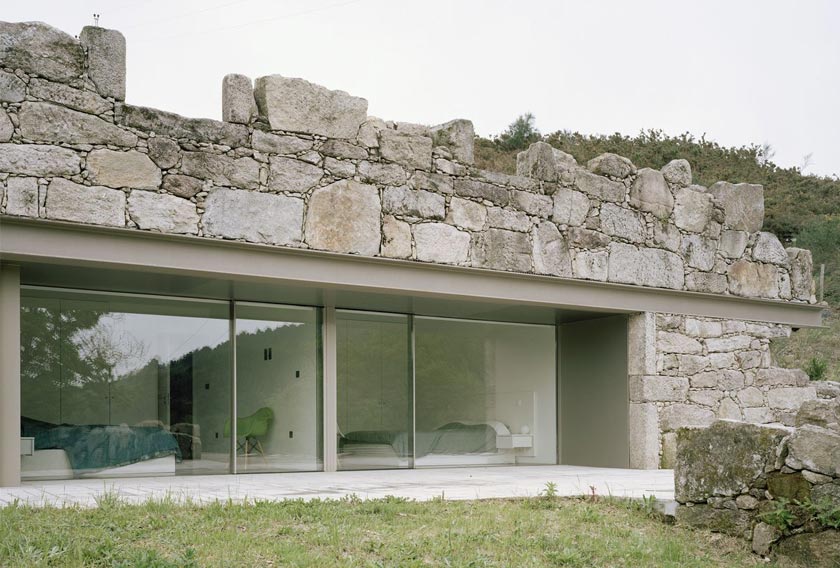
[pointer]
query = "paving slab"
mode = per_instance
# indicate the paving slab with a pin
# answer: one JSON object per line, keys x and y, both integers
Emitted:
{"x": 418, "y": 484}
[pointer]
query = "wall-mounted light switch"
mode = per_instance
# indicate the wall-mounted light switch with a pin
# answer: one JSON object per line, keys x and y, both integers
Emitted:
{"x": 291, "y": 434}
{"x": 297, "y": 374}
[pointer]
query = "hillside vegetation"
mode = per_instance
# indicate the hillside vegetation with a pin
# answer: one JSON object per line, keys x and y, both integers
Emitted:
{"x": 803, "y": 210}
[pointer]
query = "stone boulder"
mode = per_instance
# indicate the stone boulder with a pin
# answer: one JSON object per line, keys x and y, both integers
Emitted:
{"x": 645, "y": 267}
{"x": 406, "y": 149}
{"x": 93, "y": 205}
{"x": 345, "y": 217}
{"x": 22, "y": 196}
{"x": 39, "y": 160}
{"x": 599, "y": 186}
{"x": 164, "y": 123}
{"x": 12, "y": 88}
{"x": 816, "y": 449}
{"x": 238, "y": 103}
{"x": 743, "y": 205}
{"x": 693, "y": 211}
{"x": 768, "y": 249}
{"x": 396, "y": 238}
{"x": 53, "y": 123}
{"x": 677, "y": 173}
{"x": 700, "y": 473}
{"x": 613, "y": 165}
{"x": 39, "y": 49}
{"x": 570, "y": 207}
{"x": 501, "y": 249}
{"x": 297, "y": 105}
{"x": 815, "y": 550}
{"x": 823, "y": 413}
{"x": 801, "y": 273}
{"x": 733, "y": 243}
{"x": 403, "y": 200}
{"x": 622, "y": 222}
{"x": 754, "y": 279}
{"x": 7, "y": 129}
{"x": 164, "y": 151}
{"x": 650, "y": 192}
{"x": 130, "y": 169}
{"x": 241, "y": 172}
{"x": 733, "y": 522}
{"x": 162, "y": 212}
{"x": 439, "y": 242}
{"x": 551, "y": 251}
{"x": 65, "y": 95}
{"x": 253, "y": 217}
{"x": 538, "y": 162}
{"x": 459, "y": 136}
{"x": 105, "y": 60}
{"x": 467, "y": 214}
{"x": 289, "y": 174}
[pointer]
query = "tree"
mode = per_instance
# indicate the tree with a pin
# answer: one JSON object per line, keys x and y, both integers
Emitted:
{"x": 520, "y": 134}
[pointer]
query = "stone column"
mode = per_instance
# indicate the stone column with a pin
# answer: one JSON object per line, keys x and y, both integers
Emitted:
{"x": 643, "y": 418}
{"x": 9, "y": 375}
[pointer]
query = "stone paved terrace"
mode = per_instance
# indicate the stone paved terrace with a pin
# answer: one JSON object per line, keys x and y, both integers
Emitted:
{"x": 422, "y": 485}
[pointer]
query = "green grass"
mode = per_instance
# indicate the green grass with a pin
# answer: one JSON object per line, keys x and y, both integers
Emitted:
{"x": 391, "y": 532}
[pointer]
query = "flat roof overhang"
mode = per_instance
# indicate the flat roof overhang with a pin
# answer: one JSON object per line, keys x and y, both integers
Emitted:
{"x": 130, "y": 260}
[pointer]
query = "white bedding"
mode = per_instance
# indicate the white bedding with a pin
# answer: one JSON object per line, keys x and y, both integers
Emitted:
{"x": 53, "y": 464}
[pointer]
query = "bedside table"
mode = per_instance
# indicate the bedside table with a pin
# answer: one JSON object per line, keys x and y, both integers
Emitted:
{"x": 514, "y": 441}
{"x": 27, "y": 446}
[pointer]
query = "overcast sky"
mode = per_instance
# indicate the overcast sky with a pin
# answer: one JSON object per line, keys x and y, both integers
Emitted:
{"x": 738, "y": 71}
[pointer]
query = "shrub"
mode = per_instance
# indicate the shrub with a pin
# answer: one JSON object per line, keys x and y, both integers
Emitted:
{"x": 816, "y": 368}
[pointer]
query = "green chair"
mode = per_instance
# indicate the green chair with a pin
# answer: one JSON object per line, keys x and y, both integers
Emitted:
{"x": 249, "y": 429}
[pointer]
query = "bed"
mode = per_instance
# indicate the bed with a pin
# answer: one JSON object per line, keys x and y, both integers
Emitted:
{"x": 65, "y": 451}
{"x": 452, "y": 444}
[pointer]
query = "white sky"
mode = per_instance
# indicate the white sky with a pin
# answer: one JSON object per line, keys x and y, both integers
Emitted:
{"x": 739, "y": 71}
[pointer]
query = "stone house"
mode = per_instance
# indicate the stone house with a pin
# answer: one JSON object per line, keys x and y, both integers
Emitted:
{"x": 165, "y": 280}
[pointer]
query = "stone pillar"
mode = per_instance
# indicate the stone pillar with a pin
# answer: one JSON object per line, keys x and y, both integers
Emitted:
{"x": 105, "y": 60}
{"x": 238, "y": 103}
{"x": 643, "y": 418}
{"x": 9, "y": 375}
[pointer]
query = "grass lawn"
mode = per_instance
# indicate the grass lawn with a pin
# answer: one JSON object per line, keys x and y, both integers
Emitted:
{"x": 391, "y": 532}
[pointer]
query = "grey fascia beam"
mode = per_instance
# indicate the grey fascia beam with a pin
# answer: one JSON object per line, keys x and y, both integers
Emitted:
{"x": 51, "y": 242}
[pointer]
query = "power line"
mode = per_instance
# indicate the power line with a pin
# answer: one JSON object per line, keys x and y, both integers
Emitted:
{"x": 252, "y": 23}
{"x": 184, "y": 15}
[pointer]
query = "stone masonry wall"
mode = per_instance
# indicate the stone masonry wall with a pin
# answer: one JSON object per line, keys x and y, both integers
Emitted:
{"x": 688, "y": 372}
{"x": 298, "y": 165}
{"x": 777, "y": 486}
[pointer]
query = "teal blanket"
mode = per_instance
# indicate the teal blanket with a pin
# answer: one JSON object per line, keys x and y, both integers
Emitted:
{"x": 94, "y": 447}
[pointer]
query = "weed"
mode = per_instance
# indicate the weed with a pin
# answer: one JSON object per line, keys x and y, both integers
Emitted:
{"x": 816, "y": 368}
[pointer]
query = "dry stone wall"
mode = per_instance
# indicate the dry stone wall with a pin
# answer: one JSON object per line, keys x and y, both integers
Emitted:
{"x": 689, "y": 372}
{"x": 298, "y": 165}
{"x": 777, "y": 486}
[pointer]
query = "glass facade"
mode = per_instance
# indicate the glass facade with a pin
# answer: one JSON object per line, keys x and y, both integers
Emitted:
{"x": 486, "y": 393}
{"x": 278, "y": 388}
{"x": 374, "y": 387}
{"x": 124, "y": 385}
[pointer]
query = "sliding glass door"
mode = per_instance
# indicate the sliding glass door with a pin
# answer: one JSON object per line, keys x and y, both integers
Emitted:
{"x": 117, "y": 385}
{"x": 374, "y": 390}
{"x": 485, "y": 393}
{"x": 278, "y": 388}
